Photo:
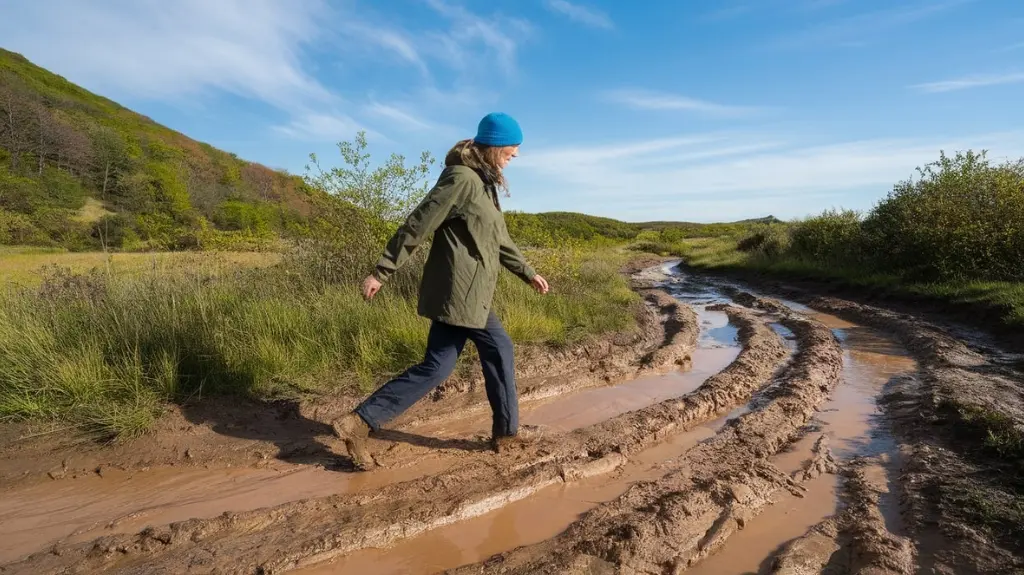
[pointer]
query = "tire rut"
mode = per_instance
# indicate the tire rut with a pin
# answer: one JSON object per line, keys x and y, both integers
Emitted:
{"x": 666, "y": 525}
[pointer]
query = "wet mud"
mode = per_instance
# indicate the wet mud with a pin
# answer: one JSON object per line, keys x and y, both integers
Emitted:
{"x": 732, "y": 433}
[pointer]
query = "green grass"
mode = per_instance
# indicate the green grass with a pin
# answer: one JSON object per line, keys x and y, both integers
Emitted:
{"x": 27, "y": 265}
{"x": 105, "y": 350}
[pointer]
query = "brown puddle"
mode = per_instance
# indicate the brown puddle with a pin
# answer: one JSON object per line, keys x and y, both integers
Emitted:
{"x": 89, "y": 507}
{"x": 598, "y": 404}
{"x": 532, "y": 520}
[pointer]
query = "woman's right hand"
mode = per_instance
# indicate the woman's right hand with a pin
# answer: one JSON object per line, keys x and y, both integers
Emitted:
{"x": 371, "y": 286}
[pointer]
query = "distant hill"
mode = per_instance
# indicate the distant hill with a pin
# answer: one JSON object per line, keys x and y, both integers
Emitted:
{"x": 82, "y": 171}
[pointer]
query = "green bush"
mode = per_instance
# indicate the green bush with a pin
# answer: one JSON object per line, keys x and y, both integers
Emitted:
{"x": 834, "y": 237}
{"x": 964, "y": 219}
{"x": 767, "y": 240}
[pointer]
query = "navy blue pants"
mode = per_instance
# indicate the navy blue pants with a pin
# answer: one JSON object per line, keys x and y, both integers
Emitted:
{"x": 444, "y": 345}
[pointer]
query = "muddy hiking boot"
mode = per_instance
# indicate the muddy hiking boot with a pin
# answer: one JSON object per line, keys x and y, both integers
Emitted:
{"x": 527, "y": 434}
{"x": 354, "y": 432}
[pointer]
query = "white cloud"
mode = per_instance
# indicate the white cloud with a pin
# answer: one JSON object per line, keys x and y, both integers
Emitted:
{"x": 852, "y": 30}
{"x": 173, "y": 50}
{"x": 498, "y": 36}
{"x": 974, "y": 81}
{"x": 740, "y": 175}
{"x": 398, "y": 115}
{"x": 582, "y": 14}
{"x": 324, "y": 127}
{"x": 652, "y": 100}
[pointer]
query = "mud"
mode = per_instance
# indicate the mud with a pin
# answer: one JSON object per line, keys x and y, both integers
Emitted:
{"x": 963, "y": 497}
{"x": 337, "y": 525}
{"x": 717, "y": 438}
{"x": 856, "y": 541}
{"x": 669, "y": 524}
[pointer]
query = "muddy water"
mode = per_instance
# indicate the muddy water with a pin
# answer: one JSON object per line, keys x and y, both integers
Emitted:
{"x": 531, "y": 520}
{"x": 850, "y": 420}
{"x": 118, "y": 502}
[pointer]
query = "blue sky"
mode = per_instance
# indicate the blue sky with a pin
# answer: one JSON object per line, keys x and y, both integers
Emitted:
{"x": 664, "y": 109}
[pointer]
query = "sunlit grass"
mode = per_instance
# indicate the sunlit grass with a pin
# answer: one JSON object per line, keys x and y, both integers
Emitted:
{"x": 105, "y": 350}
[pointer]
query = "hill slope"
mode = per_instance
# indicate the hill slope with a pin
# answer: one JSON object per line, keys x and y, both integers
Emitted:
{"x": 81, "y": 171}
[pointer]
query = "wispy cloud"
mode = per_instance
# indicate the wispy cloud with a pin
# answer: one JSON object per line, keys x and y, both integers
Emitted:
{"x": 174, "y": 50}
{"x": 640, "y": 99}
{"x": 398, "y": 115}
{"x": 727, "y": 13}
{"x": 498, "y": 36}
{"x": 855, "y": 30}
{"x": 1011, "y": 47}
{"x": 968, "y": 82}
{"x": 324, "y": 127}
{"x": 393, "y": 41}
{"x": 735, "y": 174}
{"x": 586, "y": 16}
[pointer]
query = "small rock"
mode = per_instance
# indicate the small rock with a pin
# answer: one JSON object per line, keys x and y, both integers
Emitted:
{"x": 188, "y": 453}
{"x": 57, "y": 474}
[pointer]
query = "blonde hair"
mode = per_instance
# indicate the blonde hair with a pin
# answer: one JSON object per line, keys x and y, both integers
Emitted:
{"x": 483, "y": 159}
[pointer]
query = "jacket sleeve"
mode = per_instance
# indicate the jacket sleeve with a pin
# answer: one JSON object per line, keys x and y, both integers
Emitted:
{"x": 513, "y": 260}
{"x": 420, "y": 223}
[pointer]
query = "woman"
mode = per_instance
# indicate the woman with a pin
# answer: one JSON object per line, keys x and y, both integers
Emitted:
{"x": 470, "y": 243}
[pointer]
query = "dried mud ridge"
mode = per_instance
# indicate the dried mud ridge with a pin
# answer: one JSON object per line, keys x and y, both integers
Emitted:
{"x": 854, "y": 541}
{"x": 230, "y": 431}
{"x": 961, "y": 424}
{"x": 281, "y": 538}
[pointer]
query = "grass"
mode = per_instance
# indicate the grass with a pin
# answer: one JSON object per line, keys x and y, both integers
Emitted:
{"x": 26, "y": 266}
{"x": 1003, "y": 300}
{"x": 106, "y": 349}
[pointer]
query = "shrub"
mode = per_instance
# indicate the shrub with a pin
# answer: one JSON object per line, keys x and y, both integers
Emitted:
{"x": 964, "y": 219}
{"x": 833, "y": 237}
{"x": 766, "y": 240}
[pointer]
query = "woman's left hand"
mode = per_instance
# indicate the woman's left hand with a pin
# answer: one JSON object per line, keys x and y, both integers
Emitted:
{"x": 540, "y": 284}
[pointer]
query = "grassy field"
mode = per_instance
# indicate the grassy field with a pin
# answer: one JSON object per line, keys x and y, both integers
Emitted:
{"x": 26, "y": 266}
{"x": 103, "y": 342}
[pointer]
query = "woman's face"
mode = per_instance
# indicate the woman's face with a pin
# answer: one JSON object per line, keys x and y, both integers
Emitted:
{"x": 505, "y": 155}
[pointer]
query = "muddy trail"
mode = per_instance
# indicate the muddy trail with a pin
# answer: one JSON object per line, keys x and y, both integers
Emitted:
{"x": 731, "y": 433}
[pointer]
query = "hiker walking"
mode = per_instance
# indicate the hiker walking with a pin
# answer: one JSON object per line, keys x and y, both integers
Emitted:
{"x": 470, "y": 244}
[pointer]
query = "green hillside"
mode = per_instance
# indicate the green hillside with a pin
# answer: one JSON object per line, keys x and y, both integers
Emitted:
{"x": 80, "y": 171}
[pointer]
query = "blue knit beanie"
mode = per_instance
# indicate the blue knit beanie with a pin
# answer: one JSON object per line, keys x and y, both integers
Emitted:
{"x": 498, "y": 129}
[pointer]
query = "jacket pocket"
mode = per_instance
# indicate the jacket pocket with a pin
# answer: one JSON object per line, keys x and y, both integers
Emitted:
{"x": 471, "y": 290}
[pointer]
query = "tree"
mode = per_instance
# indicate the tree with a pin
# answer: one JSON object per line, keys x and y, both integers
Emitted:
{"x": 386, "y": 193}
{"x": 16, "y": 117}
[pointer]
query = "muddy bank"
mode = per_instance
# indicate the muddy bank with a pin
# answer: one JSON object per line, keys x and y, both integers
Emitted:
{"x": 225, "y": 432}
{"x": 304, "y": 532}
{"x": 963, "y": 423}
{"x": 664, "y": 526}
{"x": 855, "y": 542}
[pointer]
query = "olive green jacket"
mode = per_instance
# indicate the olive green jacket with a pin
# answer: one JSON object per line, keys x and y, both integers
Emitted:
{"x": 470, "y": 241}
